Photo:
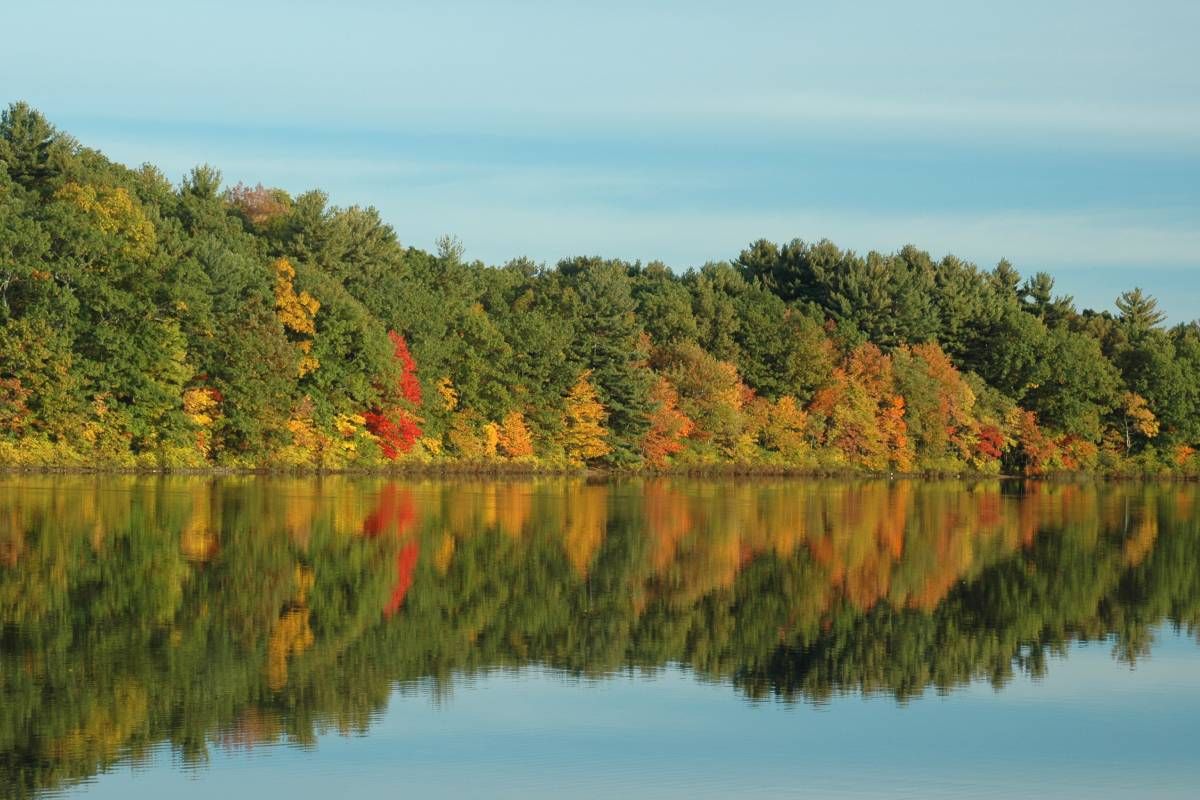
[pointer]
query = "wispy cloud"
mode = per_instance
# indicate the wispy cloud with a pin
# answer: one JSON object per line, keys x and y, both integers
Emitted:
{"x": 1065, "y": 136}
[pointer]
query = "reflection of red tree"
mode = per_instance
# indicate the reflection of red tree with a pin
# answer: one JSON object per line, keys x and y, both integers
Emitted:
{"x": 393, "y": 509}
{"x": 395, "y": 512}
{"x": 989, "y": 509}
{"x": 406, "y": 565}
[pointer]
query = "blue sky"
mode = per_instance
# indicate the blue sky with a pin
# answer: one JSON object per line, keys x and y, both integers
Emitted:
{"x": 1064, "y": 136}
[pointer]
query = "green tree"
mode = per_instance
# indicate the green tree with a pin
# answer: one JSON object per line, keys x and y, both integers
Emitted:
{"x": 1080, "y": 388}
{"x": 608, "y": 341}
{"x": 1139, "y": 311}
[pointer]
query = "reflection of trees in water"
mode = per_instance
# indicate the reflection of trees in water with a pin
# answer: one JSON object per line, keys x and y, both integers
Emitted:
{"x": 238, "y": 611}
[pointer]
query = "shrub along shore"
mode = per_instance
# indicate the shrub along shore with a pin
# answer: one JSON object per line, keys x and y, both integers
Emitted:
{"x": 153, "y": 326}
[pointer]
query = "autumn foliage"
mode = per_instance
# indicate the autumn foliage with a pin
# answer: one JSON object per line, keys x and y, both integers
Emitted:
{"x": 584, "y": 433}
{"x": 514, "y": 437}
{"x": 258, "y": 204}
{"x": 149, "y": 325}
{"x": 668, "y": 425}
{"x": 297, "y": 312}
{"x": 397, "y": 428}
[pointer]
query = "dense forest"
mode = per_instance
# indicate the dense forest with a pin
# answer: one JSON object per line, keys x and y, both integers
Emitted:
{"x": 152, "y": 325}
{"x": 236, "y": 611}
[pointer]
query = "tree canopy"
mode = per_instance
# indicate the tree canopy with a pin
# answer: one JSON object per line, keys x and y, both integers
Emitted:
{"x": 145, "y": 324}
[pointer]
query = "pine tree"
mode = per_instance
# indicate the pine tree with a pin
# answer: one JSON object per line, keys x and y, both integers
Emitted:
{"x": 1139, "y": 311}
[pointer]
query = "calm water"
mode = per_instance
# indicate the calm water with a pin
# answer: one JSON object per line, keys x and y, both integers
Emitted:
{"x": 252, "y": 637}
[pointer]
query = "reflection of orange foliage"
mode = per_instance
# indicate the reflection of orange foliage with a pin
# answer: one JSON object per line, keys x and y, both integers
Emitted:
{"x": 909, "y": 544}
{"x": 12, "y": 537}
{"x": 513, "y": 506}
{"x": 291, "y": 635}
{"x": 951, "y": 545}
{"x": 725, "y": 558}
{"x": 1029, "y": 517}
{"x": 668, "y": 521}
{"x": 872, "y": 540}
{"x": 198, "y": 540}
{"x": 823, "y": 548}
{"x": 869, "y": 582}
{"x": 891, "y": 528}
{"x": 444, "y": 554}
{"x": 1139, "y": 545}
{"x": 253, "y": 727}
{"x": 1185, "y": 502}
{"x": 989, "y": 509}
{"x": 106, "y": 726}
{"x": 586, "y": 516}
{"x": 298, "y": 516}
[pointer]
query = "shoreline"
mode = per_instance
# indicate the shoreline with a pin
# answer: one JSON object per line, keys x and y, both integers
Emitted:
{"x": 525, "y": 471}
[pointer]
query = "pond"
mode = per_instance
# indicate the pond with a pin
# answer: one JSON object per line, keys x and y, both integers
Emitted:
{"x": 665, "y": 638}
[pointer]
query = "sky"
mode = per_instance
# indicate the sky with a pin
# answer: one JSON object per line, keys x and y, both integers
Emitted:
{"x": 1064, "y": 136}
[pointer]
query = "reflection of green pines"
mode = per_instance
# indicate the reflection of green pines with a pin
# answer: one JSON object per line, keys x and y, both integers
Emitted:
{"x": 101, "y": 604}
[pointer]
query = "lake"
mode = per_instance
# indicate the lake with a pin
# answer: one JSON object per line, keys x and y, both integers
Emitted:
{"x": 660, "y": 638}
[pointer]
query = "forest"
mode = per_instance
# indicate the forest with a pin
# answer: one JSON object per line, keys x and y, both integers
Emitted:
{"x": 226, "y": 613}
{"x": 151, "y": 325}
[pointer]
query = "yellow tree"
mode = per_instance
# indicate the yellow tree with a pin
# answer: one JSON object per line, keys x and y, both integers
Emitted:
{"x": 491, "y": 439}
{"x": 1138, "y": 417}
{"x": 464, "y": 435}
{"x": 449, "y": 395}
{"x": 116, "y": 214}
{"x": 202, "y": 407}
{"x": 297, "y": 312}
{"x": 785, "y": 428}
{"x": 515, "y": 439}
{"x": 584, "y": 434}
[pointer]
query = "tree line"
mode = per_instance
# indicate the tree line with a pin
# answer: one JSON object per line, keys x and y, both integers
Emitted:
{"x": 147, "y": 324}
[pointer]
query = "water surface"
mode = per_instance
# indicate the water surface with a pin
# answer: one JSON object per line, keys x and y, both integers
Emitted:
{"x": 191, "y": 637}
